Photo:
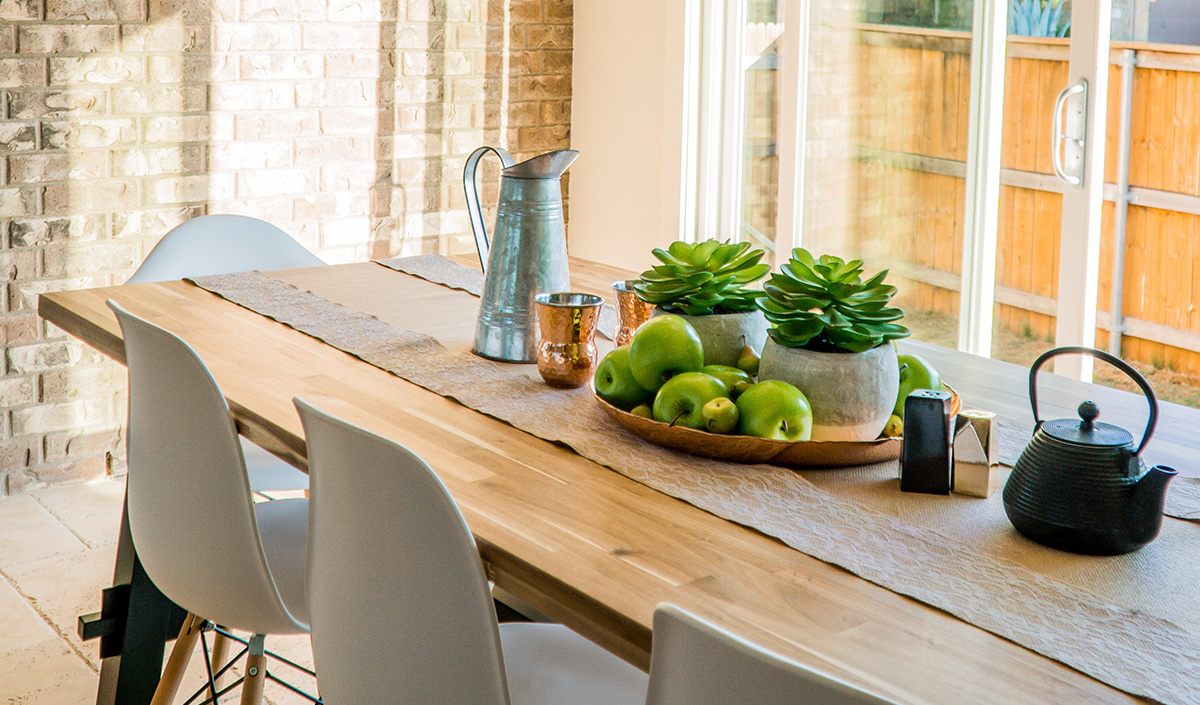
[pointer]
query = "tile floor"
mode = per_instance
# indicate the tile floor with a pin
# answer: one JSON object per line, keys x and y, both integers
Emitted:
{"x": 57, "y": 547}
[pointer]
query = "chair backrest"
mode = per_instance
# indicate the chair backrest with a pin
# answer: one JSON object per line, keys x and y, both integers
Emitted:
{"x": 220, "y": 244}
{"x": 696, "y": 663}
{"x": 189, "y": 502}
{"x": 398, "y": 600}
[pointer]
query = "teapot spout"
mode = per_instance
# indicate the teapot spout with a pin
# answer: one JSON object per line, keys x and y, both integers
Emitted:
{"x": 1146, "y": 503}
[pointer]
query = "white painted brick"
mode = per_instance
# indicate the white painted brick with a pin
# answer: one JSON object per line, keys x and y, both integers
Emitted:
{"x": 253, "y": 125}
{"x": 146, "y": 161}
{"x": 349, "y": 93}
{"x": 185, "y": 189}
{"x": 66, "y": 38}
{"x": 249, "y": 155}
{"x": 104, "y": 70}
{"x": 171, "y": 37}
{"x": 256, "y": 36}
{"x": 274, "y": 182}
{"x": 345, "y": 232}
{"x": 251, "y": 95}
{"x": 281, "y": 10}
{"x": 64, "y": 416}
{"x": 188, "y": 128}
{"x": 353, "y": 10}
{"x": 273, "y": 209}
{"x": 340, "y": 36}
{"x": 341, "y": 121}
{"x": 89, "y": 132}
{"x": 159, "y": 99}
{"x": 282, "y": 66}
{"x": 22, "y": 73}
{"x": 94, "y": 10}
{"x": 347, "y": 177}
{"x": 360, "y": 65}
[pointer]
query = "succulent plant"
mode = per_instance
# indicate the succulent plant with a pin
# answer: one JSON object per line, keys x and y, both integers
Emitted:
{"x": 708, "y": 277}
{"x": 824, "y": 304}
{"x": 1038, "y": 18}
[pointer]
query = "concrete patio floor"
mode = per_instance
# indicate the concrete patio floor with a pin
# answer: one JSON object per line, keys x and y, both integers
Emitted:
{"x": 57, "y": 547}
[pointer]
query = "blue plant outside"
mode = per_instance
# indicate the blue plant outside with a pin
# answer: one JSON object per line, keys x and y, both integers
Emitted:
{"x": 1037, "y": 18}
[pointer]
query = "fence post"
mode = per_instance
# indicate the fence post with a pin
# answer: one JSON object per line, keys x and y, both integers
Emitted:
{"x": 1128, "y": 65}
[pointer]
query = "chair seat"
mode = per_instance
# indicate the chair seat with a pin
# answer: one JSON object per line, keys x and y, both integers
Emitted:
{"x": 548, "y": 663}
{"x": 268, "y": 473}
{"x": 283, "y": 529}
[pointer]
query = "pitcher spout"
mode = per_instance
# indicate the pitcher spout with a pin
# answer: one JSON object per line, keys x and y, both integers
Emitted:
{"x": 550, "y": 165}
{"x": 1147, "y": 501}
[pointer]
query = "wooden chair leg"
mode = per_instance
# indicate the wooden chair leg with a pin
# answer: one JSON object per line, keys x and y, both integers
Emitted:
{"x": 177, "y": 663}
{"x": 256, "y": 672}
{"x": 220, "y": 654}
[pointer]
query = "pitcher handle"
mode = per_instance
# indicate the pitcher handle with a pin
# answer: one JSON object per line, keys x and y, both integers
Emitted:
{"x": 472, "y": 190}
{"x": 1110, "y": 359}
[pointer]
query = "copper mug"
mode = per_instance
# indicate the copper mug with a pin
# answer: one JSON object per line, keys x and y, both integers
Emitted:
{"x": 631, "y": 310}
{"x": 566, "y": 357}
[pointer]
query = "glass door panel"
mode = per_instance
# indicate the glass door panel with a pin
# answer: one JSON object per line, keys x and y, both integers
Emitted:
{"x": 889, "y": 87}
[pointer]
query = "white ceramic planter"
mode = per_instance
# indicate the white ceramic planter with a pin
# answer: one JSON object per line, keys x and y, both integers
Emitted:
{"x": 851, "y": 394}
{"x": 722, "y": 333}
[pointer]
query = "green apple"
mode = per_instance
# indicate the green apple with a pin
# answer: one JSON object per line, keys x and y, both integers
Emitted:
{"x": 729, "y": 375}
{"x": 642, "y": 410}
{"x": 615, "y": 383}
{"x": 720, "y": 415}
{"x": 775, "y": 410}
{"x": 682, "y": 398}
{"x": 663, "y": 347}
{"x": 915, "y": 373}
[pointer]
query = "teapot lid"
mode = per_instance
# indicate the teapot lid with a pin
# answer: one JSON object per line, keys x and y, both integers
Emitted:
{"x": 1087, "y": 431}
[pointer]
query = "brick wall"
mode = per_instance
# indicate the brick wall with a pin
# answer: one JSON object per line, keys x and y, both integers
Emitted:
{"x": 345, "y": 122}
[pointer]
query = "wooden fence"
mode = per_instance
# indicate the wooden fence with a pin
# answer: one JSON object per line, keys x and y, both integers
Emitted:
{"x": 915, "y": 87}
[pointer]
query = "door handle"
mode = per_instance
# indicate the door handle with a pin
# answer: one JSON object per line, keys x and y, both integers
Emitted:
{"x": 1059, "y": 138}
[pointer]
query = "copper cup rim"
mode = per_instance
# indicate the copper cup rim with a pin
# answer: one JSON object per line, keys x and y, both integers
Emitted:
{"x": 625, "y": 285}
{"x": 568, "y": 299}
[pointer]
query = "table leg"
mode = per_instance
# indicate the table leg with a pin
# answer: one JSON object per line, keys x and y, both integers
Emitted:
{"x": 134, "y": 624}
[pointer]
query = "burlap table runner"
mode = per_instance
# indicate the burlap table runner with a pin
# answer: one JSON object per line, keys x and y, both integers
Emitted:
{"x": 1130, "y": 621}
{"x": 439, "y": 270}
{"x": 1183, "y": 497}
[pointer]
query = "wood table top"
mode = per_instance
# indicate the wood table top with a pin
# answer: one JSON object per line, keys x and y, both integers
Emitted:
{"x": 591, "y": 548}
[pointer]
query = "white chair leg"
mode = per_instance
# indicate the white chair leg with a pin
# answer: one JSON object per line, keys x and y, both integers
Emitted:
{"x": 177, "y": 663}
{"x": 256, "y": 671}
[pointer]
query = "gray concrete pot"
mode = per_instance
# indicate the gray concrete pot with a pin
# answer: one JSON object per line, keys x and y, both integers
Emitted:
{"x": 722, "y": 333}
{"x": 851, "y": 394}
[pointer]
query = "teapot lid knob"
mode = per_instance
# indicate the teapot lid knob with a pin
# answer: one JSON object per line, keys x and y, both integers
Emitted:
{"x": 1088, "y": 411}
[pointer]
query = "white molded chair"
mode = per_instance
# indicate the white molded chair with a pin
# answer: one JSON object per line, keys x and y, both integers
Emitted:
{"x": 696, "y": 663}
{"x": 200, "y": 536}
{"x": 399, "y": 602}
{"x": 221, "y": 244}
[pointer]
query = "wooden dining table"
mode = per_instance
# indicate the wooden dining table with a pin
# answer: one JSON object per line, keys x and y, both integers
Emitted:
{"x": 576, "y": 540}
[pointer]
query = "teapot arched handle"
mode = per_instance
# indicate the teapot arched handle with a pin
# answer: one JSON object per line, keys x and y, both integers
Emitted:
{"x": 1110, "y": 359}
{"x": 472, "y": 190}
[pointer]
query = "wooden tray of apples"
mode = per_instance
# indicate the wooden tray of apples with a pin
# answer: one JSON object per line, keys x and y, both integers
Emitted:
{"x": 751, "y": 449}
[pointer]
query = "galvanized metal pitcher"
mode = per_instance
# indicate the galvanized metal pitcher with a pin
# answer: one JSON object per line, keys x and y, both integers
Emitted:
{"x": 527, "y": 254}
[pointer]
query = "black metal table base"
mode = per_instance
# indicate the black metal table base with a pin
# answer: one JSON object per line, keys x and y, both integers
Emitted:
{"x": 134, "y": 624}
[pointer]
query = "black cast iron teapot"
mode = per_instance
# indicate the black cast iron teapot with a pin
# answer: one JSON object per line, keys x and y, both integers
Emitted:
{"x": 1079, "y": 485}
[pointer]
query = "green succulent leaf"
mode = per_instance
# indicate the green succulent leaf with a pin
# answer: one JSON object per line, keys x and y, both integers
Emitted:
{"x": 825, "y": 302}
{"x": 704, "y": 278}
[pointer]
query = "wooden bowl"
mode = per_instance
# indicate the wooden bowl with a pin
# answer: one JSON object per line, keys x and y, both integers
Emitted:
{"x": 749, "y": 449}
